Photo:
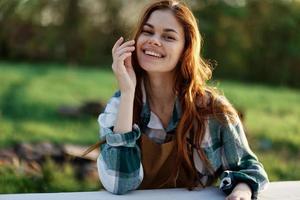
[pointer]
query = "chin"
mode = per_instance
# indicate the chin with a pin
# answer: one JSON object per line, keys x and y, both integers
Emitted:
{"x": 148, "y": 68}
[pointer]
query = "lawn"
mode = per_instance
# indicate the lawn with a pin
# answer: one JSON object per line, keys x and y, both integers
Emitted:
{"x": 30, "y": 95}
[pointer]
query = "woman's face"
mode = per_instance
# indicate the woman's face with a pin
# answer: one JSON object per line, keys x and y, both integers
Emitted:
{"x": 160, "y": 43}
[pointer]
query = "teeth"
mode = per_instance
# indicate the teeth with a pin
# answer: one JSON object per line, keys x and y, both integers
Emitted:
{"x": 151, "y": 53}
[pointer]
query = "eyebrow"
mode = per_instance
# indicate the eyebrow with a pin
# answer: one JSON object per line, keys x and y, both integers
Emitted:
{"x": 166, "y": 29}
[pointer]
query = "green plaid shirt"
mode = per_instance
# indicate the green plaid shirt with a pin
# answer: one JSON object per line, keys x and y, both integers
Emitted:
{"x": 225, "y": 145}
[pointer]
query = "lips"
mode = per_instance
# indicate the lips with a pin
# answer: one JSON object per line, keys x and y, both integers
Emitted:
{"x": 153, "y": 53}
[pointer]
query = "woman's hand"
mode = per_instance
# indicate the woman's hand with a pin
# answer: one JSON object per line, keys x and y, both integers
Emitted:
{"x": 241, "y": 192}
{"x": 122, "y": 66}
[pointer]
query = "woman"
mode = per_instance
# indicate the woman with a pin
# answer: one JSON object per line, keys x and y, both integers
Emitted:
{"x": 165, "y": 127}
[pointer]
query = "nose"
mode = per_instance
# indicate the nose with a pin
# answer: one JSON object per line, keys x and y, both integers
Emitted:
{"x": 154, "y": 41}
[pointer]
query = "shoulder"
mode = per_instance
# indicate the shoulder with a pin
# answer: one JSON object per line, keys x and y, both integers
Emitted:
{"x": 217, "y": 107}
{"x": 211, "y": 98}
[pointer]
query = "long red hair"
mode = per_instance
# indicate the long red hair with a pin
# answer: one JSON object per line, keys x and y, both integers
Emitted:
{"x": 198, "y": 101}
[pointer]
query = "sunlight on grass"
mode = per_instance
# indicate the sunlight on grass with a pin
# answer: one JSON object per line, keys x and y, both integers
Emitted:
{"x": 279, "y": 166}
{"x": 85, "y": 132}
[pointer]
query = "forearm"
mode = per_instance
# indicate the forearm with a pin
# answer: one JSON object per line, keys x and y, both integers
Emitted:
{"x": 240, "y": 163}
{"x": 119, "y": 162}
{"x": 125, "y": 113}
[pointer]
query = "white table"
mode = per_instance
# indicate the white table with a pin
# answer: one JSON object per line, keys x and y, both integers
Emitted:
{"x": 289, "y": 190}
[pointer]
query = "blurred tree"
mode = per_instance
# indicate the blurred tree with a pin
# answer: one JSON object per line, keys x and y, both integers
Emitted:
{"x": 224, "y": 38}
{"x": 71, "y": 25}
{"x": 254, "y": 40}
{"x": 275, "y": 50}
{"x": 59, "y": 30}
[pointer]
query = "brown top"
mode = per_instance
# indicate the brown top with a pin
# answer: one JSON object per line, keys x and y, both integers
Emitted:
{"x": 157, "y": 161}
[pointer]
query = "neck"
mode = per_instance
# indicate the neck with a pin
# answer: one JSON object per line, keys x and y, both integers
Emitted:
{"x": 160, "y": 89}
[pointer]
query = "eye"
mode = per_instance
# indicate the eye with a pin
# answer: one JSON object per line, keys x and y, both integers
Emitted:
{"x": 147, "y": 32}
{"x": 169, "y": 37}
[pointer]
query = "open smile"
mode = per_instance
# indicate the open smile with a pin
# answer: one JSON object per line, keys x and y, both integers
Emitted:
{"x": 153, "y": 53}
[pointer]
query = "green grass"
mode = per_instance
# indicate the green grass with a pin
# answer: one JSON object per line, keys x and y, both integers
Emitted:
{"x": 30, "y": 97}
{"x": 271, "y": 113}
{"x": 53, "y": 178}
{"x": 31, "y": 94}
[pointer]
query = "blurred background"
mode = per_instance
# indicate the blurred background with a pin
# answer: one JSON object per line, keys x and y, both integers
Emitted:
{"x": 55, "y": 78}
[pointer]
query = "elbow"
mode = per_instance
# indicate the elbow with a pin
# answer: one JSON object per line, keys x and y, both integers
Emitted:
{"x": 108, "y": 181}
{"x": 118, "y": 189}
{"x": 264, "y": 184}
{"x": 114, "y": 190}
{"x": 114, "y": 184}
{"x": 118, "y": 192}
{"x": 123, "y": 186}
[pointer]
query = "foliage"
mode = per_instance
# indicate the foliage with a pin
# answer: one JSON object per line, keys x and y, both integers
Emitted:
{"x": 67, "y": 31}
{"x": 258, "y": 41}
{"x": 253, "y": 40}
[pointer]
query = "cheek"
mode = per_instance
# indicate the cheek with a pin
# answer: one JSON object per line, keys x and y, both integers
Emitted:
{"x": 140, "y": 40}
{"x": 177, "y": 53}
{"x": 138, "y": 45}
{"x": 138, "y": 51}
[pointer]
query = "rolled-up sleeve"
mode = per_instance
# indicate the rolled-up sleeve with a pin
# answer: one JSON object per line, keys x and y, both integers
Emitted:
{"x": 240, "y": 164}
{"x": 119, "y": 163}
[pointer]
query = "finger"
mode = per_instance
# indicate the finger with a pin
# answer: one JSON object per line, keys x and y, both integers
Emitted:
{"x": 128, "y": 62}
{"x": 124, "y": 56}
{"x": 117, "y": 44}
{"x": 120, "y": 67}
{"x": 128, "y": 43}
{"x": 124, "y": 50}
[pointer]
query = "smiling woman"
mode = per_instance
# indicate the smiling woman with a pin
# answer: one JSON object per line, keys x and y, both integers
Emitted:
{"x": 160, "y": 43}
{"x": 165, "y": 127}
